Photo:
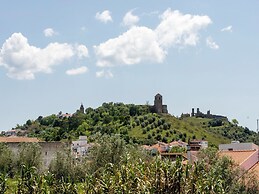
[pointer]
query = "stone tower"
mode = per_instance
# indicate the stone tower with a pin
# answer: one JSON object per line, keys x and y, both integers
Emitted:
{"x": 158, "y": 103}
{"x": 82, "y": 109}
{"x": 192, "y": 112}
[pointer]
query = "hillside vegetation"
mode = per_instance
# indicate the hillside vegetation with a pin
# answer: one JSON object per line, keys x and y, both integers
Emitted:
{"x": 137, "y": 124}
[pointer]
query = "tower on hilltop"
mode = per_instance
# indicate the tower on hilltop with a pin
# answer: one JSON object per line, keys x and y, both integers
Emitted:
{"x": 158, "y": 104}
{"x": 82, "y": 109}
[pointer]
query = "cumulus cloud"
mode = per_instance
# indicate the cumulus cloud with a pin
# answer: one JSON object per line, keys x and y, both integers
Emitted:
{"x": 129, "y": 19}
{"x": 176, "y": 28}
{"x": 136, "y": 45}
{"x": 77, "y": 71}
{"x": 23, "y": 60}
{"x": 141, "y": 44}
{"x": 82, "y": 51}
{"x": 103, "y": 73}
{"x": 211, "y": 44}
{"x": 227, "y": 29}
{"x": 104, "y": 17}
{"x": 48, "y": 32}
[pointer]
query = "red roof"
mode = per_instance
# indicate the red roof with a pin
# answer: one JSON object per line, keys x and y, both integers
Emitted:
{"x": 12, "y": 139}
{"x": 238, "y": 156}
{"x": 255, "y": 170}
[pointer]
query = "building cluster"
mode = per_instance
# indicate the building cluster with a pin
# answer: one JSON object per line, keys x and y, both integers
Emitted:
{"x": 49, "y": 150}
{"x": 80, "y": 147}
{"x": 208, "y": 115}
{"x": 245, "y": 155}
{"x": 14, "y": 132}
{"x": 185, "y": 151}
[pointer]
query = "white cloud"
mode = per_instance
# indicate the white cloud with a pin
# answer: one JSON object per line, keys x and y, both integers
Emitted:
{"x": 82, "y": 51}
{"x": 227, "y": 29}
{"x": 151, "y": 13}
{"x": 211, "y": 44}
{"x": 48, "y": 32}
{"x": 141, "y": 44}
{"x": 104, "y": 17}
{"x": 23, "y": 60}
{"x": 179, "y": 29}
{"x": 77, "y": 71}
{"x": 136, "y": 45}
{"x": 103, "y": 73}
{"x": 130, "y": 19}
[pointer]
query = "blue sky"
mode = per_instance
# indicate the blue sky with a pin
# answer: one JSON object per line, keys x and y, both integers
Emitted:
{"x": 57, "y": 54}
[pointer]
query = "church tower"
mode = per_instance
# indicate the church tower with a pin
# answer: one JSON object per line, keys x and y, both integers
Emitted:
{"x": 158, "y": 103}
{"x": 82, "y": 109}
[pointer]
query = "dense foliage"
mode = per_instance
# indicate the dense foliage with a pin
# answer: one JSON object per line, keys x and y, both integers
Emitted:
{"x": 113, "y": 166}
{"x": 136, "y": 124}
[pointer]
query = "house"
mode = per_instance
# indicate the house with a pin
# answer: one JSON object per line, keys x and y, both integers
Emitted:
{"x": 162, "y": 147}
{"x": 196, "y": 145}
{"x": 178, "y": 143}
{"x": 80, "y": 147}
{"x": 10, "y": 133}
{"x": 246, "y": 155}
{"x": 159, "y": 147}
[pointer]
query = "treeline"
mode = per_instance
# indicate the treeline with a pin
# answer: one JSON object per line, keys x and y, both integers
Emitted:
{"x": 110, "y": 118}
{"x": 232, "y": 131}
{"x": 136, "y": 124}
{"x": 113, "y": 166}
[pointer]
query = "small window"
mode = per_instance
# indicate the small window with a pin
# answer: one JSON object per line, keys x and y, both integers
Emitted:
{"x": 46, "y": 153}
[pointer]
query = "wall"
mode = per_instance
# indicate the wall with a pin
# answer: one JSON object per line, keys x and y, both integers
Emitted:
{"x": 48, "y": 150}
{"x": 238, "y": 146}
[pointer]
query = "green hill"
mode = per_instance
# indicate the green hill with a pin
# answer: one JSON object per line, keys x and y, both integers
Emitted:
{"x": 136, "y": 123}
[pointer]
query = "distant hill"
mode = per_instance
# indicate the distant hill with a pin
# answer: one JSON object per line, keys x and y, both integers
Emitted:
{"x": 136, "y": 123}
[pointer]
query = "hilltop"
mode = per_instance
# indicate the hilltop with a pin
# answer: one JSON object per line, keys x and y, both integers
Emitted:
{"x": 136, "y": 123}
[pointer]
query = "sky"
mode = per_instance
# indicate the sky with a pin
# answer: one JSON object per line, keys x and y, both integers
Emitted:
{"x": 57, "y": 54}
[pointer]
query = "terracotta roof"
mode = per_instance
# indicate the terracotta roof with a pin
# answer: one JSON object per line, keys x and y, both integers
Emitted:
{"x": 238, "y": 156}
{"x": 160, "y": 147}
{"x": 178, "y": 143}
{"x": 18, "y": 139}
{"x": 255, "y": 169}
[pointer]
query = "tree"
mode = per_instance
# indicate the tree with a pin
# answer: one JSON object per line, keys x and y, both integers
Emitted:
{"x": 6, "y": 159}
{"x": 235, "y": 122}
{"x": 107, "y": 149}
{"x": 29, "y": 154}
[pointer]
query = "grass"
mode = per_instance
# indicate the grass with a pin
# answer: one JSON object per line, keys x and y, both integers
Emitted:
{"x": 189, "y": 127}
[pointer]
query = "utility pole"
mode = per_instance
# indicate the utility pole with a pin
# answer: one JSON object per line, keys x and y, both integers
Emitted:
{"x": 257, "y": 124}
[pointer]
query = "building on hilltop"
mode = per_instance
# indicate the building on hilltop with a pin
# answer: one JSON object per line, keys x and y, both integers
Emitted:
{"x": 159, "y": 107}
{"x": 208, "y": 115}
{"x": 82, "y": 109}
